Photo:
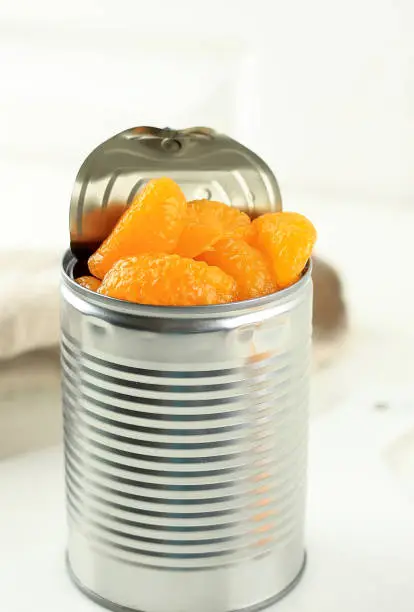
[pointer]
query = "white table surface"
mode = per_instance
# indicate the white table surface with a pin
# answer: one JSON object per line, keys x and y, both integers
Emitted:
{"x": 360, "y": 522}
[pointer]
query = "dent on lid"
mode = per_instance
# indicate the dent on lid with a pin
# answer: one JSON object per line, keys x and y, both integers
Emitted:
{"x": 206, "y": 165}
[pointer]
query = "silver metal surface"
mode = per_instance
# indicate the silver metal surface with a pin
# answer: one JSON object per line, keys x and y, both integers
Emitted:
{"x": 185, "y": 446}
{"x": 206, "y": 164}
{"x": 255, "y": 608}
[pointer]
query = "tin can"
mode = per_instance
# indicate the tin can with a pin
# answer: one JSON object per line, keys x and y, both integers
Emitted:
{"x": 185, "y": 434}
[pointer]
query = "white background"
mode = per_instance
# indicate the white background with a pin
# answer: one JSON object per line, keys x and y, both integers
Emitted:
{"x": 324, "y": 90}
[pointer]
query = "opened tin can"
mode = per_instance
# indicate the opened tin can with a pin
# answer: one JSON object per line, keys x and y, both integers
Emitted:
{"x": 185, "y": 428}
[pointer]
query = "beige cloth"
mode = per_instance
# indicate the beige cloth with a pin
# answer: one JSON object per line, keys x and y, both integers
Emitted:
{"x": 29, "y": 301}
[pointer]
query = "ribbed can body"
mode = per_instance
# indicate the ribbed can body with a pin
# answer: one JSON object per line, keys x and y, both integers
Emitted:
{"x": 185, "y": 448}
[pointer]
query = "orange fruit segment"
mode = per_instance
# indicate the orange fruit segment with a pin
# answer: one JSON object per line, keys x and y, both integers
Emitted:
{"x": 245, "y": 264}
{"x": 168, "y": 280}
{"x": 153, "y": 223}
{"x": 206, "y": 223}
{"x": 287, "y": 240}
{"x": 89, "y": 282}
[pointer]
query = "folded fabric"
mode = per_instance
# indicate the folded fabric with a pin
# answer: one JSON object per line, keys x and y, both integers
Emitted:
{"x": 29, "y": 301}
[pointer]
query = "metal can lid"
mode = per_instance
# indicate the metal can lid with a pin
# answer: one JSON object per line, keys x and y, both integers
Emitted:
{"x": 205, "y": 163}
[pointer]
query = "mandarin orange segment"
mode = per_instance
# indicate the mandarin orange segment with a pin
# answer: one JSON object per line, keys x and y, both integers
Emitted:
{"x": 168, "y": 280}
{"x": 89, "y": 282}
{"x": 206, "y": 223}
{"x": 153, "y": 223}
{"x": 245, "y": 264}
{"x": 287, "y": 239}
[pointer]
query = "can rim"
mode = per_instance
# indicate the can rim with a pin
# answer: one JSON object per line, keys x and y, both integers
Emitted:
{"x": 146, "y": 310}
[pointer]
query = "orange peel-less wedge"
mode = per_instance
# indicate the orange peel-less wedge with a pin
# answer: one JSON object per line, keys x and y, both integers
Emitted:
{"x": 206, "y": 223}
{"x": 89, "y": 282}
{"x": 168, "y": 280}
{"x": 153, "y": 223}
{"x": 245, "y": 264}
{"x": 287, "y": 240}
